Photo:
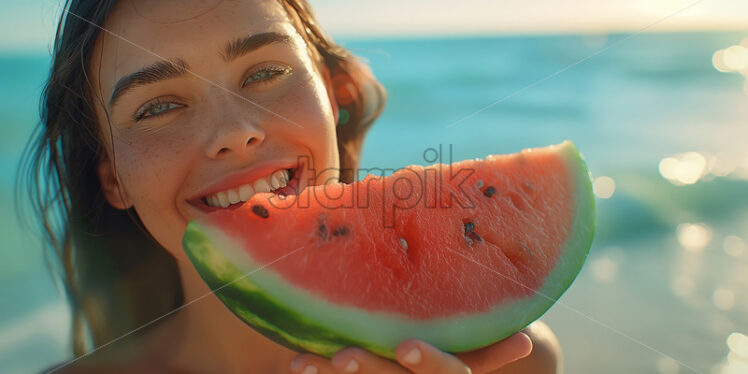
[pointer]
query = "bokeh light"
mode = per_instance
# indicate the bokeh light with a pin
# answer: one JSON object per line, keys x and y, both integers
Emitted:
{"x": 736, "y": 58}
{"x": 722, "y": 165}
{"x": 733, "y": 59}
{"x": 604, "y": 270}
{"x": 692, "y": 167}
{"x": 694, "y": 236}
{"x": 723, "y": 299}
{"x": 738, "y": 343}
{"x": 736, "y": 364}
{"x": 718, "y": 60}
{"x": 667, "y": 167}
{"x": 685, "y": 168}
{"x": 604, "y": 187}
{"x": 734, "y": 245}
{"x": 737, "y": 358}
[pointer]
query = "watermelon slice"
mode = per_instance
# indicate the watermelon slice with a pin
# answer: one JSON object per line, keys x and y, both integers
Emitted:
{"x": 458, "y": 255}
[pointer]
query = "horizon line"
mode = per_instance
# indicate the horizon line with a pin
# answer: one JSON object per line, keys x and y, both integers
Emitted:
{"x": 25, "y": 48}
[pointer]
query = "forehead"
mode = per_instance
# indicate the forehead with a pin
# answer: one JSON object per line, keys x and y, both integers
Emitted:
{"x": 140, "y": 32}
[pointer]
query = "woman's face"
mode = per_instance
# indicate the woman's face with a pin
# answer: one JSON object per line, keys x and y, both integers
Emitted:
{"x": 207, "y": 105}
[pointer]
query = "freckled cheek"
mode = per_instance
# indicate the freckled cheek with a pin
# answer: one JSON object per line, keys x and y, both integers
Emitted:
{"x": 152, "y": 168}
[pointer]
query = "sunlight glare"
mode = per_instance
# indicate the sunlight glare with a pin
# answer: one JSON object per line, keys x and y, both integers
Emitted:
{"x": 685, "y": 168}
{"x": 738, "y": 344}
{"x": 718, "y": 60}
{"x": 660, "y": 6}
{"x": 667, "y": 167}
{"x": 604, "y": 187}
{"x": 694, "y": 236}
{"x": 690, "y": 168}
{"x": 736, "y": 364}
{"x": 735, "y": 57}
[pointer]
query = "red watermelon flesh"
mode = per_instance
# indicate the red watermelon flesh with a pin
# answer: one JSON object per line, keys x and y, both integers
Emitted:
{"x": 495, "y": 240}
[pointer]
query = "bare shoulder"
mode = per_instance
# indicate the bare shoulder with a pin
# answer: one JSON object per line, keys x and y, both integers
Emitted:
{"x": 546, "y": 356}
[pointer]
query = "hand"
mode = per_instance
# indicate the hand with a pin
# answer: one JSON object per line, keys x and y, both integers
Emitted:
{"x": 415, "y": 356}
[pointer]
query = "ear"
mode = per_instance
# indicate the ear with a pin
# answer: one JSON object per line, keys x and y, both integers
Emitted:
{"x": 111, "y": 187}
{"x": 330, "y": 92}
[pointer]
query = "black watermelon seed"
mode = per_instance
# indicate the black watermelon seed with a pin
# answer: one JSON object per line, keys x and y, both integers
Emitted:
{"x": 260, "y": 211}
{"x": 489, "y": 191}
{"x": 469, "y": 227}
{"x": 322, "y": 231}
{"x": 474, "y": 235}
{"x": 340, "y": 231}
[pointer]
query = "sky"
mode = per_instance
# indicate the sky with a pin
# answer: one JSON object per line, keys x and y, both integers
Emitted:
{"x": 30, "y": 24}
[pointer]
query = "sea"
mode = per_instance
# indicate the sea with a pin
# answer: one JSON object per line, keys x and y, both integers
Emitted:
{"x": 661, "y": 119}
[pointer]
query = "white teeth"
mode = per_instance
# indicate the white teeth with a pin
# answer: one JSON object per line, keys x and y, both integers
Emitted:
{"x": 245, "y": 192}
{"x": 233, "y": 196}
{"x": 282, "y": 177}
{"x": 274, "y": 182}
{"x": 261, "y": 185}
{"x": 223, "y": 198}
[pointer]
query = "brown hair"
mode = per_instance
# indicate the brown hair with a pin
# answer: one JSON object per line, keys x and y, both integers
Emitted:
{"x": 116, "y": 277}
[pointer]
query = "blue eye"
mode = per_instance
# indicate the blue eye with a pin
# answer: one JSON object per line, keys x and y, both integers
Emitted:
{"x": 154, "y": 109}
{"x": 266, "y": 74}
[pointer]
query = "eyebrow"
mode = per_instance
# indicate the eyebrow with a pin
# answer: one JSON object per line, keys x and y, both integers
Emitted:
{"x": 174, "y": 68}
{"x": 152, "y": 73}
{"x": 242, "y": 46}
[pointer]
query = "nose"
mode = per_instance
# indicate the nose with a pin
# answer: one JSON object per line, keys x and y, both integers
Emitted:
{"x": 235, "y": 133}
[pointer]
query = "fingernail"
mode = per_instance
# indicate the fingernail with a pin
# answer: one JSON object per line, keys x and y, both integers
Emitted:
{"x": 351, "y": 366}
{"x": 296, "y": 366}
{"x": 413, "y": 356}
{"x": 310, "y": 369}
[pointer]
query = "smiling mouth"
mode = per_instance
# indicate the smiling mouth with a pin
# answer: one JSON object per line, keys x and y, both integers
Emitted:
{"x": 282, "y": 182}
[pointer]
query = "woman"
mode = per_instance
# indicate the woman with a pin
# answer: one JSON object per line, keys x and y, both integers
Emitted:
{"x": 149, "y": 106}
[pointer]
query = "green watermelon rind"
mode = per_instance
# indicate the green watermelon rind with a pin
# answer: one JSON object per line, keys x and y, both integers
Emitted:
{"x": 265, "y": 301}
